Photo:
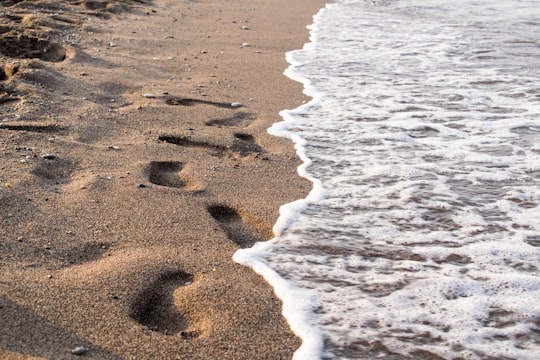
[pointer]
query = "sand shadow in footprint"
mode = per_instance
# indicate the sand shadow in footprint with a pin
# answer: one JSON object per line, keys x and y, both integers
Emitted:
{"x": 235, "y": 227}
{"x": 180, "y": 101}
{"x": 22, "y": 46}
{"x": 38, "y": 128}
{"x": 155, "y": 308}
{"x": 172, "y": 174}
{"x": 186, "y": 141}
{"x": 245, "y": 144}
{"x": 54, "y": 171}
{"x": 8, "y": 70}
{"x": 166, "y": 173}
{"x": 241, "y": 119}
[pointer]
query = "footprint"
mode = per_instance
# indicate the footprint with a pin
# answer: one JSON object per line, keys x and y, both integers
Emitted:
{"x": 166, "y": 173}
{"x": 27, "y": 47}
{"x": 245, "y": 144}
{"x": 39, "y": 128}
{"x": 80, "y": 255}
{"x": 172, "y": 174}
{"x": 95, "y": 5}
{"x": 172, "y": 100}
{"x": 186, "y": 141}
{"x": 55, "y": 171}
{"x": 9, "y": 99}
{"x": 7, "y": 71}
{"x": 241, "y": 119}
{"x": 234, "y": 226}
{"x": 101, "y": 8}
{"x": 155, "y": 308}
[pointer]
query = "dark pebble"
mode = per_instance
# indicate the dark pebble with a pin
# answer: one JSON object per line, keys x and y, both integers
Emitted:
{"x": 49, "y": 156}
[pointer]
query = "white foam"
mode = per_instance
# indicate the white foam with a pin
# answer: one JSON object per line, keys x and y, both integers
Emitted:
{"x": 421, "y": 233}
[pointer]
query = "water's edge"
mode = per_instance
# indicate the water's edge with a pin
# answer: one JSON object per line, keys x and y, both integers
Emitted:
{"x": 297, "y": 304}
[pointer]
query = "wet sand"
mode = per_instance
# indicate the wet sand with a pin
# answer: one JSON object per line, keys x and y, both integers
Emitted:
{"x": 128, "y": 180}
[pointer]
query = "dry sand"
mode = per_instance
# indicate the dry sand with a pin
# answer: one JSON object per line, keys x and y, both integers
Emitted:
{"x": 128, "y": 180}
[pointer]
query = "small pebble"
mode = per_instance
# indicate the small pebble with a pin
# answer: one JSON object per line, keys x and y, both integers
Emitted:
{"x": 79, "y": 350}
{"x": 246, "y": 44}
{"x": 111, "y": 147}
{"x": 236, "y": 104}
{"x": 49, "y": 156}
{"x": 142, "y": 186}
{"x": 149, "y": 96}
{"x": 49, "y": 276}
{"x": 112, "y": 44}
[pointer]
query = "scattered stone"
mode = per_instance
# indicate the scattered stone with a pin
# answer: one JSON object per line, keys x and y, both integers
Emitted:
{"x": 149, "y": 96}
{"x": 84, "y": 73}
{"x": 79, "y": 350}
{"x": 246, "y": 44}
{"x": 141, "y": 186}
{"x": 236, "y": 104}
{"x": 49, "y": 276}
{"x": 115, "y": 297}
{"x": 245, "y": 27}
{"x": 49, "y": 156}
{"x": 204, "y": 52}
{"x": 113, "y": 44}
{"x": 111, "y": 147}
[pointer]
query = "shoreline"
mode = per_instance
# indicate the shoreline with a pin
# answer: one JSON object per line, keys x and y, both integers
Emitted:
{"x": 129, "y": 180}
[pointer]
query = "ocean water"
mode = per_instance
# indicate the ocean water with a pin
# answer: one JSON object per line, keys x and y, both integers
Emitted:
{"x": 420, "y": 238}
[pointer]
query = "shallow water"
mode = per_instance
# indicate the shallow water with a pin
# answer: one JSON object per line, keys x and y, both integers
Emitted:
{"x": 421, "y": 236}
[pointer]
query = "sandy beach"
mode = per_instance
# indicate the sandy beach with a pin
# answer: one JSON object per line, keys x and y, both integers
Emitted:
{"x": 134, "y": 162}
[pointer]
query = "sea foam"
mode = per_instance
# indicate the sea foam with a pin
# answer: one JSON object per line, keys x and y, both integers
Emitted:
{"x": 421, "y": 235}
